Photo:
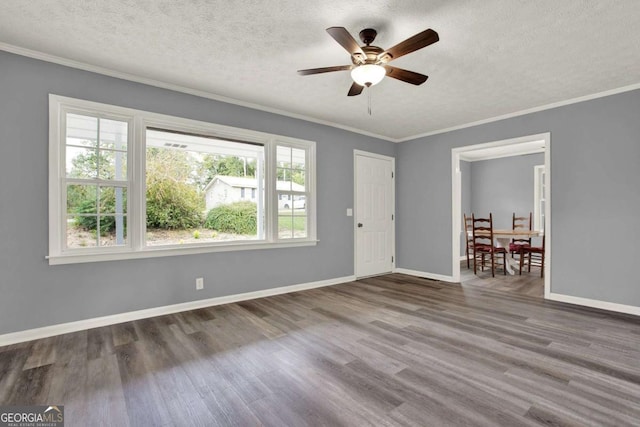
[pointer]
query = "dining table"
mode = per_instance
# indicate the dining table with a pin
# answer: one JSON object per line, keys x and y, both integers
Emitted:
{"x": 502, "y": 239}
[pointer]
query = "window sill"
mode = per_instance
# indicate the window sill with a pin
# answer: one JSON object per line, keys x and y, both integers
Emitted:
{"x": 76, "y": 258}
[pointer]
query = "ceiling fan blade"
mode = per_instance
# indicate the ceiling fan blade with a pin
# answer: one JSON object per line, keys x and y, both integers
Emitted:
{"x": 405, "y": 75}
{"x": 411, "y": 44}
{"x": 342, "y": 36}
{"x": 324, "y": 70}
{"x": 355, "y": 89}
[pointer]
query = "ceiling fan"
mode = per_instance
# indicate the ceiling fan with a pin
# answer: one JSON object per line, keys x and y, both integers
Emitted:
{"x": 370, "y": 62}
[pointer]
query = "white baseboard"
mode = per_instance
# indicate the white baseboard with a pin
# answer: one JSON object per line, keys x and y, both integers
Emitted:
{"x": 425, "y": 274}
{"x": 80, "y": 325}
{"x": 603, "y": 305}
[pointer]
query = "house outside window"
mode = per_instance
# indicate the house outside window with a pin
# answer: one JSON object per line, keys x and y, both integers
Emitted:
{"x": 126, "y": 183}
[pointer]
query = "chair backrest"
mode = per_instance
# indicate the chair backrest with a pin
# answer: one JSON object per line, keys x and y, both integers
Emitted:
{"x": 468, "y": 228}
{"x": 522, "y": 223}
{"x": 482, "y": 231}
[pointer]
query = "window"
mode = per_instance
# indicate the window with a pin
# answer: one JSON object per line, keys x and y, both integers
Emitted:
{"x": 185, "y": 177}
{"x": 95, "y": 183}
{"x": 291, "y": 173}
{"x": 539, "y": 195}
{"x": 128, "y": 184}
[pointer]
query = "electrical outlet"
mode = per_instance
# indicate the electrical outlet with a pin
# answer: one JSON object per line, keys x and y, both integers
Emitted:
{"x": 199, "y": 283}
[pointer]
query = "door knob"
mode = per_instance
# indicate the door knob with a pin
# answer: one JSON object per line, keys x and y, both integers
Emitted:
{"x": 359, "y": 225}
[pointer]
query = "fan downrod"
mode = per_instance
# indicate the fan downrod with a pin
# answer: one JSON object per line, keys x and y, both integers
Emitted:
{"x": 368, "y": 35}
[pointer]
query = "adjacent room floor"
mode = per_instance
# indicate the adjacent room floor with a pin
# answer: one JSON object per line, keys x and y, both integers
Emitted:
{"x": 391, "y": 350}
{"x": 529, "y": 283}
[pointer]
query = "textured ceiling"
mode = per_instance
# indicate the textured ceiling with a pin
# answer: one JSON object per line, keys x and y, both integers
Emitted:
{"x": 494, "y": 57}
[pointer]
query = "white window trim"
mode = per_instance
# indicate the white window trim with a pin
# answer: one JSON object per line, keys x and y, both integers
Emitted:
{"x": 139, "y": 121}
{"x": 538, "y": 185}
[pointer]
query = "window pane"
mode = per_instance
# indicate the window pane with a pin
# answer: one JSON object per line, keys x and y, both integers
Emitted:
{"x": 113, "y": 165}
{"x": 298, "y": 158}
{"x": 292, "y": 225}
{"x": 81, "y": 163}
{"x": 113, "y": 134}
{"x": 285, "y": 201}
{"x": 113, "y": 230}
{"x": 299, "y": 224}
{"x": 297, "y": 178}
{"x": 82, "y": 199}
{"x": 284, "y": 180}
{"x": 285, "y": 227}
{"x": 292, "y": 217}
{"x": 79, "y": 236}
{"x": 82, "y": 130}
{"x": 113, "y": 200}
{"x": 292, "y": 206}
{"x": 299, "y": 203}
{"x": 201, "y": 190}
{"x": 291, "y": 166}
{"x": 283, "y": 156}
{"x": 82, "y": 215}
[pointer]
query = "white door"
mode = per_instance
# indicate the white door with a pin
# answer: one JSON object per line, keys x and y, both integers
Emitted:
{"x": 374, "y": 214}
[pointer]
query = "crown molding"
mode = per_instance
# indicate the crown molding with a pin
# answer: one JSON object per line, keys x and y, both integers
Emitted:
{"x": 525, "y": 112}
{"x": 178, "y": 88}
{"x": 204, "y": 94}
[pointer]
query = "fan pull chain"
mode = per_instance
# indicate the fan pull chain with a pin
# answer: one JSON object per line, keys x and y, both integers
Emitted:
{"x": 369, "y": 100}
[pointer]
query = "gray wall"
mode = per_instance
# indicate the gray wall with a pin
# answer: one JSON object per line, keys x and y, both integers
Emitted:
{"x": 595, "y": 200}
{"x": 503, "y": 186}
{"x": 34, "y": 294}
{"x": 595, "y": 153}
{"x": 500, "y": 186}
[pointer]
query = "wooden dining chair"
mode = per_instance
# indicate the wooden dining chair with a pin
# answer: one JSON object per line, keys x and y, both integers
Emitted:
{"x": 520, "y": 223}
{"x": 483, "y": 245}
{"x": 468, "y": 229}
{"x": 533, "y": 256}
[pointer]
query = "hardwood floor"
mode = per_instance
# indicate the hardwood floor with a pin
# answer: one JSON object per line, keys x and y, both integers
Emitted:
{"x": 526, "y": 284}
{"x": 391, "y": 350}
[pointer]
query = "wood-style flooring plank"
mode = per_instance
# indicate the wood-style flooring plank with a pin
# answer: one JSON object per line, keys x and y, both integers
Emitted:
{"x": 144, "y": 403}
{"x": 123, "y": 333}
{"x": 69, "y": 375}
{"x": 104, "y": 399}
{"x": 31, "y": 387}
{"x": 43, "y": 352}
{"x": 393, "y": 350}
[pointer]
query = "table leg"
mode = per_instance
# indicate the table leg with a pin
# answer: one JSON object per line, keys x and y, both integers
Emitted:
{"x": 512, "y": 264}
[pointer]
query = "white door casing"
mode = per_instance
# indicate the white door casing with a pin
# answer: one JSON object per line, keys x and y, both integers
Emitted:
{"x": 459, "y": 153}
{"x": 374, "y": 214}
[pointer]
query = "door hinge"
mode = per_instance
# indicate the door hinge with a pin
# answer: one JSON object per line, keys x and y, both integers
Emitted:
{"x": 391, "y": 217}
{"x": 391, "y": 258}
{"x": 391, "y": 174}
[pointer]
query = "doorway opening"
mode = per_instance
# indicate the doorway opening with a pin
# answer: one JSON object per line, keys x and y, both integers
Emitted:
{"x": 540, "y": 143}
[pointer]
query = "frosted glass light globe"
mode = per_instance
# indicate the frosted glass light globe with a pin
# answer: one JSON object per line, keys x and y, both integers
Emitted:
{"x": 368, "y": 74}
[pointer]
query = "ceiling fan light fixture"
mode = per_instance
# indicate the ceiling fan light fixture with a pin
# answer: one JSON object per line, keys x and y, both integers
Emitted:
{"x": 368, "y": 74}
